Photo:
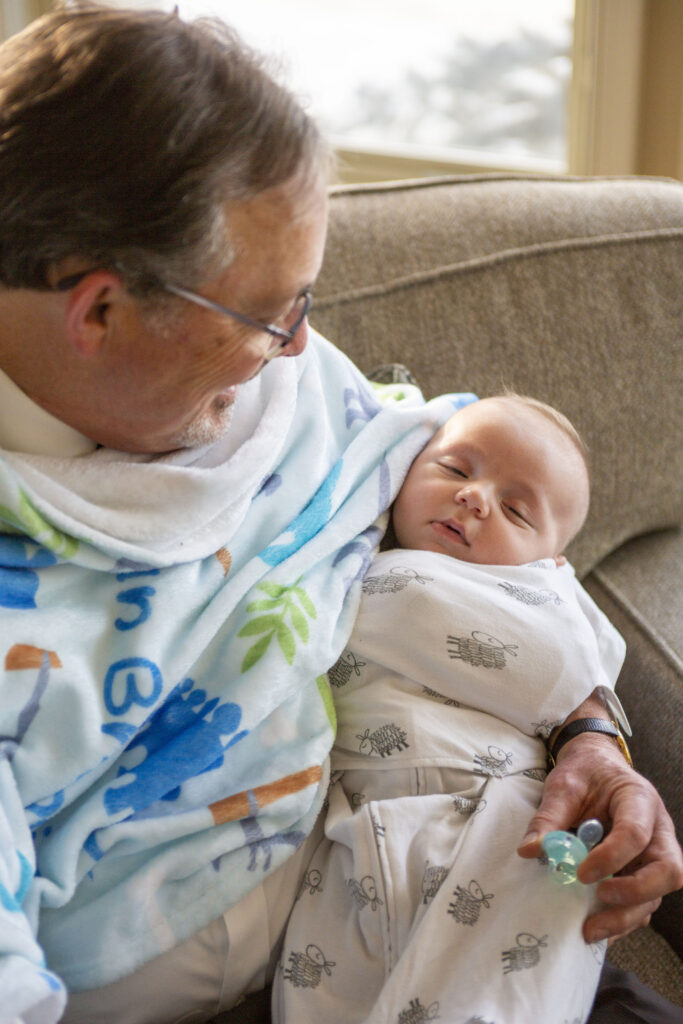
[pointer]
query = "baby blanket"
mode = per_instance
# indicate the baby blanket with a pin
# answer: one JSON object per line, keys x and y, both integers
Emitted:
{"x": 513, "y": 648}
{"x": 166, "y": 626}
{"x": 453, "y": 675}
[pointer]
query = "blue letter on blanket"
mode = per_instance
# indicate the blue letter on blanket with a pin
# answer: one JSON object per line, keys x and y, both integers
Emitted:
{"x": 132, "y": 693}
{"x": 139, "y": 596}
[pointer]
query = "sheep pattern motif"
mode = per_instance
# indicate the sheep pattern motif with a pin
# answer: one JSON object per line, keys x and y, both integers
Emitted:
{"x": 342, "y": 670}
{"x": 364, "y": 893}
{"x": 311, "y": 883}
{"x": 448, "y": 702}
{"x": 416, "y": 1013}
{"x": 495, "y": 762}
{"x": 469, "y": 653}
{"x": 480, "y": 649}
{"x": 394, "y": 581}
{"x": 466, "y": 805}
{"x": 527, "y": 595}
{"x": 383, "y": 741}
{"x": 526, "y": 954}
{"x": 432, "y": 880}
{"x": 468, "y": 903}
{"x": 306, "y": 968}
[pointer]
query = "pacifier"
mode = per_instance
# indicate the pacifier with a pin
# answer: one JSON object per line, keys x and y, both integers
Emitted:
{"x": 565, "y": 851}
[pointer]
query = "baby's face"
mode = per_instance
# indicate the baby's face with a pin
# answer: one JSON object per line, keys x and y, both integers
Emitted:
{"x": 499, "y": 484}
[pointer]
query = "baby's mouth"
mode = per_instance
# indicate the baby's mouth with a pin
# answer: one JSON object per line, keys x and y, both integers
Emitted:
{"x": 456, "y": 528}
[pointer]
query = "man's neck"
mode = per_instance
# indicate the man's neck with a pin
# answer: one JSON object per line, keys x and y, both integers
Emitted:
{"x": 35, "y": 369}
{"x": 27, "y": 428}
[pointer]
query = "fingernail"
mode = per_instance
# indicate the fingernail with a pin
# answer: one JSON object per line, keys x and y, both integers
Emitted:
{"x": 598, "y": 935}
{"x": 530, "y": 837}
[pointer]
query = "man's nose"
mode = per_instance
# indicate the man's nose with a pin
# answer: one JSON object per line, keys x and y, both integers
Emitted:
{"x": 474, "y": 498}
{"x": 298, "y": 343}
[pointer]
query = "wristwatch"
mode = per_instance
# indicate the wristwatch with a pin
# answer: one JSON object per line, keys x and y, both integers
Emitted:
{"x": 587, "y": 725}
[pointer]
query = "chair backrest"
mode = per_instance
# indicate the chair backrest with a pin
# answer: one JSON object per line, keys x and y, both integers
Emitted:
{"x": 570, "y": 290}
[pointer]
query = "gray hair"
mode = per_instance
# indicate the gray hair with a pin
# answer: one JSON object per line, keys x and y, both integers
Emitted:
{"x": 123, "y": 134}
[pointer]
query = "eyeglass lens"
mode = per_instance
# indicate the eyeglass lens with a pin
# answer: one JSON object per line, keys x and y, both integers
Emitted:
{"x": 291, "y": 323}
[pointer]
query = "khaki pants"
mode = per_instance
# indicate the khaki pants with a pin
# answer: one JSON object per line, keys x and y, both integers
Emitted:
{"x": 229, "y": 958}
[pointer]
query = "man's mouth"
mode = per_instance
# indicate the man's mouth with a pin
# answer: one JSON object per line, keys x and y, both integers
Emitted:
{"x": 226, "y": 397}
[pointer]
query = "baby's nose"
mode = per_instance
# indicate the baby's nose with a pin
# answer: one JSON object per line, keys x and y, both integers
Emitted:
{"x": 473, "y": 498}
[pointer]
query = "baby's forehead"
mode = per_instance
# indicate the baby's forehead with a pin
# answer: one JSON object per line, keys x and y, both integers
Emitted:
{"x": 502, "y": 415}
{"x": 545, "y": 454}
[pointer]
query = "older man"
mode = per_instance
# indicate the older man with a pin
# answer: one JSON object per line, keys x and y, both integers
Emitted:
{"x": 186, "y": 520}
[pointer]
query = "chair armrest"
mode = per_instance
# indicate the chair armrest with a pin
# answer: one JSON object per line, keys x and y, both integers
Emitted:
{"x": 636, "y": 588}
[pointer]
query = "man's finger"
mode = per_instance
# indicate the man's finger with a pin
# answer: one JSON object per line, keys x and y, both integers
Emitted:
{"x": 560, "y": 808}
{"x": 645, "y": 884}
{"x": 622, "y": 848}
{"x": 611, "y": 922}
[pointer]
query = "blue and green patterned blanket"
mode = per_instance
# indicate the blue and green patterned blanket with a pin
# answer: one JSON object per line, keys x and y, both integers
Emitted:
{"x": 166, "y": 627}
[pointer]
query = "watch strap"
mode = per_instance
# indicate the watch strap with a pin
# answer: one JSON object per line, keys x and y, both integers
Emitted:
{"x": 580, "y": 725}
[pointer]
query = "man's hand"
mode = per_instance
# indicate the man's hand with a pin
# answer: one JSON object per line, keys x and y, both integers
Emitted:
{"x": 592, "y": 780}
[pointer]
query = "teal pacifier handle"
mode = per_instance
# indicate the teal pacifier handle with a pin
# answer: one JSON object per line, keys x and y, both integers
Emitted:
{"x": 565, "y": 851}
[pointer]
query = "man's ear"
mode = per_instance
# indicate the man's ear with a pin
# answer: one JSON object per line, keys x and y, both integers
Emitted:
{"x": 88, "y": 311}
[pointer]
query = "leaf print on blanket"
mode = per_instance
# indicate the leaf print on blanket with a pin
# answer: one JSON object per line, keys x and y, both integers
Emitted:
{"x": 29, "y": 521}
{"x": 280, "y": 601}
{"x": 328, "y": 703}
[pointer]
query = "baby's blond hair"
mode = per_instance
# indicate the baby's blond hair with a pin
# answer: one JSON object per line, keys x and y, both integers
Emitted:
{"x": 555, "y": 416}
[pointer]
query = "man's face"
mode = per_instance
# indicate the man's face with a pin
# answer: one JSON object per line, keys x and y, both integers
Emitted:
{"x": 168, "y": 384}
{"x": 498, "y": 485}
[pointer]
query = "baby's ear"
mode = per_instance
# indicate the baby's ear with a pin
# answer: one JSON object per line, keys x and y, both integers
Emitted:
{"x": 560, "y": 560}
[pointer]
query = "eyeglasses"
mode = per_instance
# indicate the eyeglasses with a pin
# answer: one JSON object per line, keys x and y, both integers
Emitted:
{"x": 283, "y": 335}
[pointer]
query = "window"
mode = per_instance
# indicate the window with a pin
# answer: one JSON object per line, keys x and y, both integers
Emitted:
{"x": 443, "y": 81}
{"x": 412, "y": 87}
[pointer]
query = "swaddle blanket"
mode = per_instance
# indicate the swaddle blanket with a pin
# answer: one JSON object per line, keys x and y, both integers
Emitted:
{"x": 453, "y": 674}
{"x": 512, "y": 649}
{"x": 166, "y": 626}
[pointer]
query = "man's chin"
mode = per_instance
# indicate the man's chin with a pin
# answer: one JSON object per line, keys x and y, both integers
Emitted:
{"x": 208, "y": 427}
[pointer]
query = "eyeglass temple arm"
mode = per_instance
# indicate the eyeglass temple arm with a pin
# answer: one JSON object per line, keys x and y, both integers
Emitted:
{"x": 216, "y": 307}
